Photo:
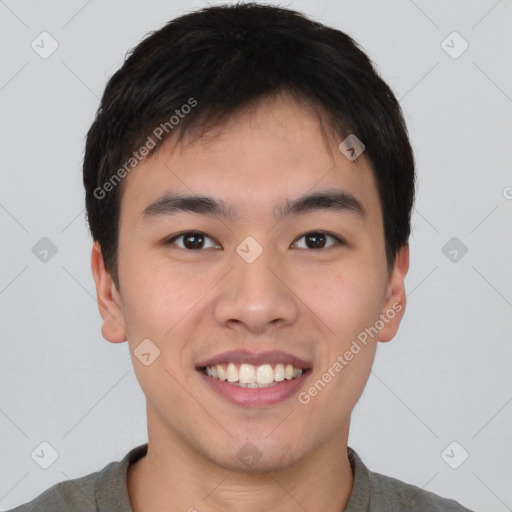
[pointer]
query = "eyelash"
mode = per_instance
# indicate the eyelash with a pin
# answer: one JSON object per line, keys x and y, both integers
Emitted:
{"x": 338, "y": 240}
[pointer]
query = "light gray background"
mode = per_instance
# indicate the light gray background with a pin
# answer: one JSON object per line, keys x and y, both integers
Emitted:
{"x": 445, "y": 377}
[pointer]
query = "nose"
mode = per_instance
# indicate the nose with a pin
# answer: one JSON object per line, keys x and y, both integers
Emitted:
{"x": 257, "y": 296}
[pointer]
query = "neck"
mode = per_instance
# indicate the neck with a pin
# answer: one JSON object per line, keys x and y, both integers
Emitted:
{"x": 174, "y": 473}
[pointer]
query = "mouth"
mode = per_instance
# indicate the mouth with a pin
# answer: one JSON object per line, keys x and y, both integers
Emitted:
{"x": 246, "y": 375}
{"x": 254, "y": 380}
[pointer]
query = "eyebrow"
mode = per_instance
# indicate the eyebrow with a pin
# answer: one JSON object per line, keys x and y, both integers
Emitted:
{"x": 332, "y": 199}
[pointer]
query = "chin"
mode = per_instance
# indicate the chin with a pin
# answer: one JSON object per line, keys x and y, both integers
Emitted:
{"x": 255, "y": 457}
{"x": 267, "y": 463}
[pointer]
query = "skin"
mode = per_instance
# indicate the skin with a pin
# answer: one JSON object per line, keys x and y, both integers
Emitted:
{"x": 194, "y": 304}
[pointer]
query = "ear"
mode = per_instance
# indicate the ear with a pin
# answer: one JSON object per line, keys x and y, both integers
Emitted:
{"x": 109, "y": 300}
{"x": 394, "y": 305}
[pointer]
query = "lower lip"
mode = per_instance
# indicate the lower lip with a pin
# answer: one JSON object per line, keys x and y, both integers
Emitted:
{"x": 256, "y": 397}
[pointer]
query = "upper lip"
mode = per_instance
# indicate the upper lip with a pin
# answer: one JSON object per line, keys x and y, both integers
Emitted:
{"x": 255, "y": 358}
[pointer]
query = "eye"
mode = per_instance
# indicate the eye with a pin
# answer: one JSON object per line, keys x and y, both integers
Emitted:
{"x": 195, "y": 240}
{"x": 192, "y": 240}
{"x": 317, "y": 240}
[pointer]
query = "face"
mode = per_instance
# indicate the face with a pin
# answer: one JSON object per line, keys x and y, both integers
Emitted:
{"x": 258, "y": 285}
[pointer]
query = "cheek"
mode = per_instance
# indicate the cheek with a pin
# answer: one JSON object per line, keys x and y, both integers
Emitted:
{"x": 348, "y": 304}
{"x": 157, "y": 294}
{"x": 347, "y": 301}
{"x": 155, "y": 306}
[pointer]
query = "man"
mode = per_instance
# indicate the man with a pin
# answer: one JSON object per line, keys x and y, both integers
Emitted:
{"x": 249, "y": 186}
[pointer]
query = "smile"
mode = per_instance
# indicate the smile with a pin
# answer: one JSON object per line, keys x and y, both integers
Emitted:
{"x": 254, "y": 379}
{"x": 246, "y": 375}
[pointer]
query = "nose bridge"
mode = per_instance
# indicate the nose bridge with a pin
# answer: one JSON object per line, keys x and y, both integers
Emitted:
{"x": 253, "y": 294}
{"x": 253, "y": 277}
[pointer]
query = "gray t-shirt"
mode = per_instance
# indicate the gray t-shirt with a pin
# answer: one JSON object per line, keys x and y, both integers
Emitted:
{"x": 106, "y": 491}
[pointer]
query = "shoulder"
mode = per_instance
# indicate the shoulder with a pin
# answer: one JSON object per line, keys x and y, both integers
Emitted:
{"x": 374, "y": 492}
{"x": 67, "y": 496}
{"x": 102, "y": 491}
{"x": 392, "y": 492}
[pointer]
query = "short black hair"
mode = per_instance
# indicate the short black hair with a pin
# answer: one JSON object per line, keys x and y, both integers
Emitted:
{"x": 204, "y": 66}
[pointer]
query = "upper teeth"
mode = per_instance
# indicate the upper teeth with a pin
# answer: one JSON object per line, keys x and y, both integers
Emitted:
{"x": 253, "y": 375}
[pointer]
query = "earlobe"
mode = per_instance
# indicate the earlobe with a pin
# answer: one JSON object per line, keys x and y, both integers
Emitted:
{"x": 109, "y": 302}
{"x": 394, "y": 306}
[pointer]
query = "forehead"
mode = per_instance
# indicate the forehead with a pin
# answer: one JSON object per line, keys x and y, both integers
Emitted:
{"x": 259, "y": 157}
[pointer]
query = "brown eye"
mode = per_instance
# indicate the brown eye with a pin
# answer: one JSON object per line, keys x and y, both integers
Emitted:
{"x": 318, "y": 240}
{"x": 192, "y": 240}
